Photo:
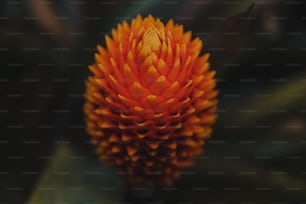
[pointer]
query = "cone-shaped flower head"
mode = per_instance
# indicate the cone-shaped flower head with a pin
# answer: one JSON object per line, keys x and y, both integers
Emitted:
{"x": 150, "y": 102}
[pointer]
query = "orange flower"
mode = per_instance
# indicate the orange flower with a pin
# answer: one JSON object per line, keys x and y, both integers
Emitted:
{"x": 151, "y": 102}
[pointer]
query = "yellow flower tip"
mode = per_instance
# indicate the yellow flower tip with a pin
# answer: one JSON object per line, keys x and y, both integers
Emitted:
{"x": 151, "y": 39}
{"x": 150, "y": 96}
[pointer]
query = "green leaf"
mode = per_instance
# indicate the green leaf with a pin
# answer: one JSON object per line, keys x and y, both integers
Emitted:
{"x": 72, "y": 178}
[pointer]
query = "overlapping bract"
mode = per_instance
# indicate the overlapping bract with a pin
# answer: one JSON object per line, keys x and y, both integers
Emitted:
{"x": 151, "y": 100}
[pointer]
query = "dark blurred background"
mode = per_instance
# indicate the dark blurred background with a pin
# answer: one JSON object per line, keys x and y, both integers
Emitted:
{"x": 257, "y": 153}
